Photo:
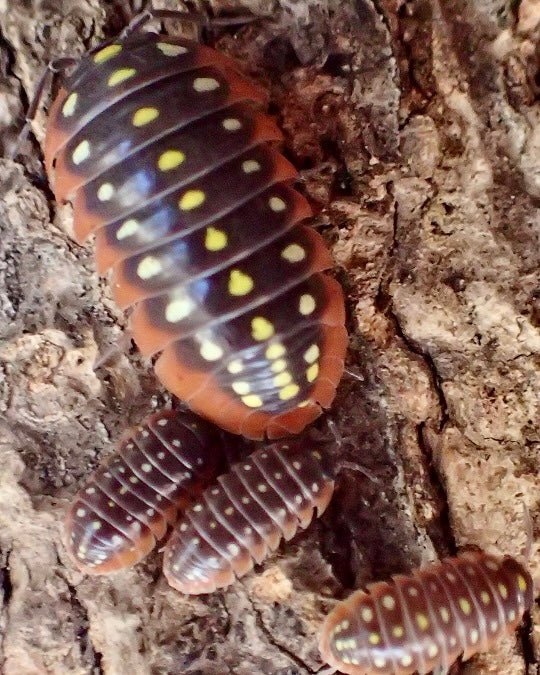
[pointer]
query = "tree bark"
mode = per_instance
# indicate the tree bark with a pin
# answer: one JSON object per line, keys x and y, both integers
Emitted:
{"x": 416, "y": 127}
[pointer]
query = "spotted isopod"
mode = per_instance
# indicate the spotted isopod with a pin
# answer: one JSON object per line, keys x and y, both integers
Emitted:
{"x": 162, "y": 466}
{"x": 424, "y": 621}
{"x": 244, "y": 516}
{"x": 162, "y": 148}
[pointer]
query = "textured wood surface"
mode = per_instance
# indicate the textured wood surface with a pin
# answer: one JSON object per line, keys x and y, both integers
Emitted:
{"x": 417, "y": 129}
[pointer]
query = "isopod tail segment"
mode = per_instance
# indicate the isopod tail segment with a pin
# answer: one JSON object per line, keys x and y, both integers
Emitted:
{"x": 162, "y": 147}
{"x": 424, "y": 621}
{"x": 126, "y": 506}
{"x": 242, "y": 518}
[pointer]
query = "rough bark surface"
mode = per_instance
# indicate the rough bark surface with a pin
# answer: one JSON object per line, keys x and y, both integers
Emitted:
{"x": 417, "y": 128}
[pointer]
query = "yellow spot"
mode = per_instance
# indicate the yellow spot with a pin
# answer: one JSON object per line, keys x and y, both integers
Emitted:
{"x": 252, "y": 401}
{"x": 503, "y": 591}
{"x": 485, "y": 597}
{"x": 422, "y": 621}
{"x": 240, "y": 283}
{"x": 210, "y": 351}
{"x": 69, "y": 104}
{"x": 282, "y": 379}
{"x": 241, "y": 388}
{"x": 288, "y": 392}
{"x": 149, "y": 267}
{"x": 261, "y": 329}
{"x": 465, "y": 606}
{"x": 304, "y": 404}
{"x": 522, "y": 583}
{"x": 312, "y": 354}
{"x": 306, "y": 305}
{"x": 312, "y": 372}
{"x": 388, "y": 602}
{"x": 367, "y": 614}
{"x": 293, "y": 253}
{"x": 275, "y": 351}
{"x": 278, "y": 366}
{"x": 127, "y": 229}
{"x": 105, "y": 192}
{"x": 235, "y": 367}
{"x": 215, "y": 240}
{"x": 445, "y": 615}
{"x": 250, "y": 166}
{"x": 277, "y": 204}
{"x": 374, "y": 638}
{"x": 202, "y": 84}
{"x": 170, "y": 159}
{"x": 171, "y": 50}
{"x": 144, "y": 116}
{"x": 397, "y": 631}
{"x": 81, "y": 152}
{"x": 406, "y": 660}
{"x": 121, "y": 75}
{"x": 107, "y": 53}
{"x": 191, "y": 200}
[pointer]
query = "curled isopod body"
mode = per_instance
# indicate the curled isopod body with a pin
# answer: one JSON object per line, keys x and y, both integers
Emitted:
{"x": 244, "y": 515}
{"x": 424, "y": 621}
{"x": 163, "y": 149}
{"x": 162, "y": 466}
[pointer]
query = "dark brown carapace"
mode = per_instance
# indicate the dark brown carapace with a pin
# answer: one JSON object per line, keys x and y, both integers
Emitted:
{"x": 244, "y": 516}
{"x": 424, "y": 621}
{"x": 161, "y": 148}
{"x": 160, "y": 468}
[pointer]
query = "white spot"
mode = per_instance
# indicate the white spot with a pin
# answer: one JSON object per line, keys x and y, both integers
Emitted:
{"x": 150, "y": 512}
{"x": 234, "y": 549}
{"x": 262, "y": 487}
{"x": 81, "y": 513}
{"x": 277, "y": 204}
{"x": 231, "y": 124}
{"x": 161, "y": 455}
{"x": 202, "y": 84}
{"x": 250, "y": 166}
{"x": 81, "y": 153}
{"x": 314, "y": 487}
{"x": 146, "y": 467}
{"x": 229, "y": 511}
{"x": 197, "y": 507}
{"x": 127, "y": 229}
{"x": 163, "y": 422}
{"x": 210, "y": 351}
{"x": 169, "y": 49}
{"x": 69, "y": 104}
{"x": 105, "y": 192}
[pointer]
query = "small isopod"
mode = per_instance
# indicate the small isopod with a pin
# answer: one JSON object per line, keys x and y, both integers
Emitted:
{"x": 242, "y": 517}
{"x": 116, "y": 519}
{"x": 424, "y": 621}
